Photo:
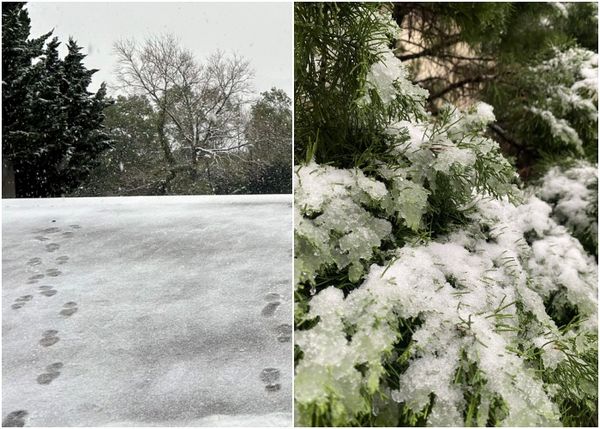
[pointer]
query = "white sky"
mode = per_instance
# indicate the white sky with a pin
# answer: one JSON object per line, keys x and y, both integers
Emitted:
{"x": 261, "y": 32}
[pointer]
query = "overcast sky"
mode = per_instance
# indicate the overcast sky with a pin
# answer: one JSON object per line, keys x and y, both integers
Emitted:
{"x": 262, "y": 32}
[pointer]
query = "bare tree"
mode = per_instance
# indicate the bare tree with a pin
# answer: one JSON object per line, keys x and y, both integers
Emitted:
{"x": 200, "y": 106}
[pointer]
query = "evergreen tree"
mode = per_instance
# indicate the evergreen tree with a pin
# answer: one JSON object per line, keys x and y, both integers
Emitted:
{"x": 52, "y": 126}
{"x": 18, "y": 74}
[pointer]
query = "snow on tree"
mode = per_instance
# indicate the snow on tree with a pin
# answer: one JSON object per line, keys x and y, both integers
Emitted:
{"x": 200, "y": 106}
{"x": 573, "y": 194}
{"x": 51, "y": 125}
{"x": 560, "y": 116}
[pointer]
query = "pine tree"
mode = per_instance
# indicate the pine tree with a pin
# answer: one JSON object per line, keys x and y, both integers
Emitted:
{"x": 52, "y": 126}
{"x": 18, "y": 74}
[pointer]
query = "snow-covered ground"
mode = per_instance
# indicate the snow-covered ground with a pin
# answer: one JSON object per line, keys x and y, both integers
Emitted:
{"x": 147, "y": 311}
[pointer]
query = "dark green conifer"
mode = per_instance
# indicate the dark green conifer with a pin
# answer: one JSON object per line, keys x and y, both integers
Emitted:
{"x": 51, "y": 123}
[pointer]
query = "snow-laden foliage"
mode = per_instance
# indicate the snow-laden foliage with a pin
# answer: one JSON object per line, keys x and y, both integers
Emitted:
{"x": 573, "y": 194}
{"x": 342, "y": 231}
{"x": 431, "y": 165}
{"x": 483, "y": 297}
{"x": 429, "y": 289}
{"x": 563, "y": 109}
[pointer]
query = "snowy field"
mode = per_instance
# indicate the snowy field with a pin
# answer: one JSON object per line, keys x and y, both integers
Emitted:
{"x": 147, "y": 311}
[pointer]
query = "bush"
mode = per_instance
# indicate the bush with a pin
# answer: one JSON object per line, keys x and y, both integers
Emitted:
{"x": 430, "y": 289}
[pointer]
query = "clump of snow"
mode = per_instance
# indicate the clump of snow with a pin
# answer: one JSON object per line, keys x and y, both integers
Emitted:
{"x": 480, "y": 115}
{"x": 332, "y": 226}
{"x": 572, "y": 192}
{"x": 334, "y": 215}
{"x": 559, "y": 128}
{"x": 388, "y": 77}
{"x": 450, "y": 146}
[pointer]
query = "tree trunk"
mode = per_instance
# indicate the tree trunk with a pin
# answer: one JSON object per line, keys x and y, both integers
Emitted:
{"x": 8, "y": 179}
{"x": 169, "y": 158}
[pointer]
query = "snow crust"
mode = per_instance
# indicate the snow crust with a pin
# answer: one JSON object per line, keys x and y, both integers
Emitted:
{"x": 180, "y": 303}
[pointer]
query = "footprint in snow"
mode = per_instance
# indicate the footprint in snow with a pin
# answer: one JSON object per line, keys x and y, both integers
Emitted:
{"x": 273, "y": 300}
{"x": 68, "y": 234}
{"x": 51, "y": 230}
{"x": 49, "y": 338}
{"x": 41, "y": 238}
{"x": 52, "y": 247}
{"x": 284, "y": 333}
{"x": 75, "y": 226}
{"x": 272, "y": 296}
{"x": 53, "y": 272}
{"x": 269, "y": 309}
{"x": 20, "y": 301}
{"x": 15, "y": 419}
{"x": 62, "y": 259}
{"x": 52, "y": 372}
{"x": 270, "y": 376}
{"x": 34, "y": 261}
{"x": 69, "y": 309}
{"x": 47, "y": 290}
{"x": 34, "y": 279}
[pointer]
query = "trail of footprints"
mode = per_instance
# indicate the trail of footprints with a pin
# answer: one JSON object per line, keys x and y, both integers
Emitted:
{"x": 283, "y": 331}
{"x": 49, "y": 337}
{"x": 35, "y": 263}
{"x": 270, "y": 376}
